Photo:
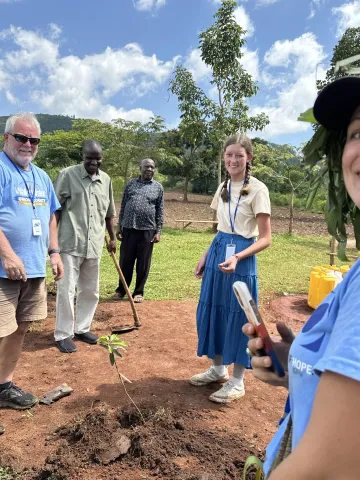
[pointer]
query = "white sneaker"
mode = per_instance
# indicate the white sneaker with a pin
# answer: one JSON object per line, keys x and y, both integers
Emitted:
{"x": 228, "y": 393}
{"x": 210, "y": 376}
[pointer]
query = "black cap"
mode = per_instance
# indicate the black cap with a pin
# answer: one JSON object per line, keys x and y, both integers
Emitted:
{"x": 336, "y": 103}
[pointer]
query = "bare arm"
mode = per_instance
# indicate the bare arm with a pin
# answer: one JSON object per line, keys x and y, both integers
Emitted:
{"x": 263, "y": 241}
{"x": 110, "y": 228}
{"x": 329, "y": 447}
{"x": 199, "y": 269}
{"x": 55, "y": 259}
{"x": 264, "y": 238}
{"x": 12, "y": 263}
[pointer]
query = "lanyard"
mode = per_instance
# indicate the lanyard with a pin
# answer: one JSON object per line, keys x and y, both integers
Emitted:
{"x": 232, "y": 224}
{"x": 31, "y": 197}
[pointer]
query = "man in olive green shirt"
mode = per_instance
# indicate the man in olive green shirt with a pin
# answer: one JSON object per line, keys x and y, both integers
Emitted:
{"x": 87, "y": 207}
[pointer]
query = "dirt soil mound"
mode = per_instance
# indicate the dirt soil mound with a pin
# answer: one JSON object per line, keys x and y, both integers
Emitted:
{"x": 167, "y": 445}
{"x": 96, "y": 433}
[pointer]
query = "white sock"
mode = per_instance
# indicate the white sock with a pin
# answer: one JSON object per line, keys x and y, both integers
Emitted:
{"x": 220, "y": 369}
{"x": 238, "y": 374}
{"x": 238, "y": 382}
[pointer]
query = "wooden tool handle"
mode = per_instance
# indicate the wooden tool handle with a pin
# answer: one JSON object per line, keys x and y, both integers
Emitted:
{"x": 123, "y": 281}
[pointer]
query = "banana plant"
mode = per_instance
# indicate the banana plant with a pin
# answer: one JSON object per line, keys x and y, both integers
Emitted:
{"x": 325, "y": 148}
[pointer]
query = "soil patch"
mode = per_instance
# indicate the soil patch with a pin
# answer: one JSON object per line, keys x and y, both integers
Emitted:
{"x": 198, "y": 208}
{"x": 169, "y": 445}
{"x": 95, "y": 433}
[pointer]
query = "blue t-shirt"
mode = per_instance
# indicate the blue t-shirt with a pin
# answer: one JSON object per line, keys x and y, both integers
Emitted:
{"x": 16, "y": 213}
{"x": 329, "y": 341}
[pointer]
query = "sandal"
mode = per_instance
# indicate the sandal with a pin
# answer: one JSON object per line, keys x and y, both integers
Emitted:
{"x": 138, "y": 299}
{"x": 117, "y": 296}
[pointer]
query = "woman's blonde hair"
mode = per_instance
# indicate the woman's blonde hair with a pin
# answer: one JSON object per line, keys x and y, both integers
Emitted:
{"x": 244, "y": 141}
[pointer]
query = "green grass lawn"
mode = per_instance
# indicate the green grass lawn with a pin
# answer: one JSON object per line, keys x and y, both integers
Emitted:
{"x": 284, "y": 267}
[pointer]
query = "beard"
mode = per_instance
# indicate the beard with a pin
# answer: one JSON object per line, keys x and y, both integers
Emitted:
{"x": 18, "y": 158}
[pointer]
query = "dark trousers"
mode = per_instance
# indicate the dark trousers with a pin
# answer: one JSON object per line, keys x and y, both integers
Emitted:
{"x": 135, "y": 245}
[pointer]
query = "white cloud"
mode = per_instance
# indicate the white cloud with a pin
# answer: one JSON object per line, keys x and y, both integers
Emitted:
{"x": 250, "y": 62}
{"x": 79, "y": 86}
{"x": 173, "y": 125}
{"x": 285, "y": 109}
{"x": 55, "y": 31}
{"x": 349, "y": 16}
{"x": 301, "y": 54}
{"x": 314, "y": 7}
{"x": 265, "y": 3}
{"x": 243, "y": 19}
{"x": 4, "y": 76}
{"x": 33, "y": 49}
{"x": 10, "y": 97}
{"x": 291, "y": 77}
{"x": 146, "y": 5}
{"x": 196, "y": 66}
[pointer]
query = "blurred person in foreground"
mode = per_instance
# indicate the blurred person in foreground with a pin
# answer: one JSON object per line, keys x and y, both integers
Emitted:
{"x": 319, "y": 435}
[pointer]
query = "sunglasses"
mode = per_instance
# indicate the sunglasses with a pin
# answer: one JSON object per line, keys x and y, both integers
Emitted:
{"x": 23, "y": 139}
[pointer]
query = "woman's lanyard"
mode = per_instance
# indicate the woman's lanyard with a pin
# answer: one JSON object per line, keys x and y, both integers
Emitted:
{"x": 31, "y": 196}
{"x": 232, "y": 224}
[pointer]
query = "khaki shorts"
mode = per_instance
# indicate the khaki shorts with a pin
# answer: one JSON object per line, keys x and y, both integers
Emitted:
{"x": 21, "y": 302}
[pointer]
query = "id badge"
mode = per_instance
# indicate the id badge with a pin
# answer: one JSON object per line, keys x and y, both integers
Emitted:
{"x": 36, "y": 227}
{"x": 230, "y": 251}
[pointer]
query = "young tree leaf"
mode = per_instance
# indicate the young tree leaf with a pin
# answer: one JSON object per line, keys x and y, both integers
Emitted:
{"x": 112, "y": 358}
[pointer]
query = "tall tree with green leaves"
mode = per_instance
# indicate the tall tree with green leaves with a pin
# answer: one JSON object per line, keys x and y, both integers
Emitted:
{"x": 203, "y": 118}
{"x": 187, "y": 161}
{"x": 58, "y": 150}
{"x": 348, "y": 46}
{"x": 124, "y": 142}
{"x": 281, "y": 167}
{"x": 326, "y": 148}
{"x": 193, "y": 130}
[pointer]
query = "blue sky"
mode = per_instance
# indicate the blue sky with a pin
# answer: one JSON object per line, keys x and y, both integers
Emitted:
{"x": 114, "y": 58}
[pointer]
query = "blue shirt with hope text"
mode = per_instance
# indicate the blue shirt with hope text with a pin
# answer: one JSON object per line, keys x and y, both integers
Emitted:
{"x": 329, "y": 341}
{"x": 17, "y": 214}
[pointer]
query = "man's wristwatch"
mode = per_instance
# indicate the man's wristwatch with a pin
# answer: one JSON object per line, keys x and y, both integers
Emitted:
{"x": 54, "y": 250}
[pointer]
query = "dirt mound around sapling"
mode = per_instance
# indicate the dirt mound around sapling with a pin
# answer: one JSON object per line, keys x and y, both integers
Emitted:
{"x": 169, "y": 445}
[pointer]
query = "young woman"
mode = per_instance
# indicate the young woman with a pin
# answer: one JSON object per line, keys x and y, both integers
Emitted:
{"x": 319, "y": 438}
{"x": 243, "y": 210}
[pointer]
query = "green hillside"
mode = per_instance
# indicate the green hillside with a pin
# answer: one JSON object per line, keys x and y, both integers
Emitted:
{"x": 49, "y": 123}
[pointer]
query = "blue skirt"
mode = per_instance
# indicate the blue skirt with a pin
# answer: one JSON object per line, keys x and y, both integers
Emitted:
{"x": 219, "y": 317}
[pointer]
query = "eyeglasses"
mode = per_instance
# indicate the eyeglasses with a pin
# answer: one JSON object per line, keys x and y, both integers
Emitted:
{"x": 23, "y": 139}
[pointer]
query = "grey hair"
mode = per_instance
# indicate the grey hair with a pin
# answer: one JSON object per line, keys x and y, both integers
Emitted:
{"x": 26, "y": 116}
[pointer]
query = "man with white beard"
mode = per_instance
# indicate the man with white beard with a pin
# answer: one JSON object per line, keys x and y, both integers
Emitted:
{"x": 28, "y": 233}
